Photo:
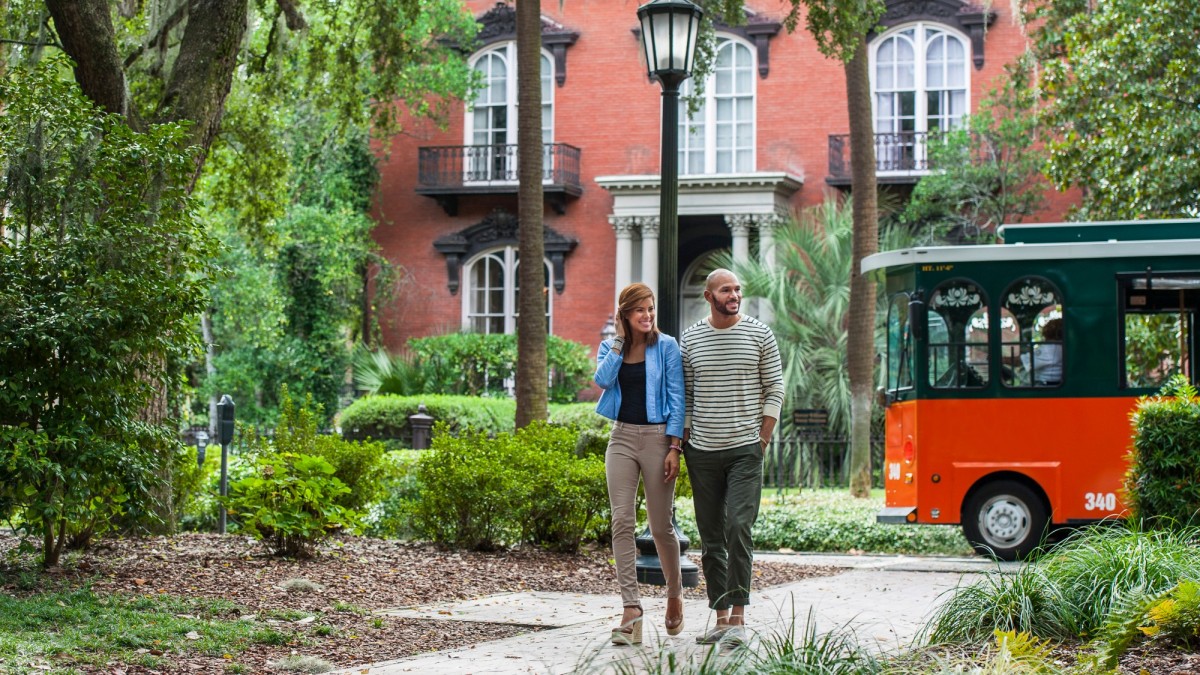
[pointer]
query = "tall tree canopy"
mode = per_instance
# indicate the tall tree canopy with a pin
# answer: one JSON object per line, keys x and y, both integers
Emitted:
{"x": 1122, "y": 82}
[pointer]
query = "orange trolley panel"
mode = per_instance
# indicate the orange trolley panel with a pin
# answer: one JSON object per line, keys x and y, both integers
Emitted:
{"x": 1075, "y": 449}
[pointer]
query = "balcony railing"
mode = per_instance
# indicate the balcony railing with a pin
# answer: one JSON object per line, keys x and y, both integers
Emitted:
{"x": 900, "y": 157}
{"x": 450, "y": 171}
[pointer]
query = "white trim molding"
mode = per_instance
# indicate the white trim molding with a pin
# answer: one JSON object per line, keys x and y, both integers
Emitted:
{"x": 766, "y": 193}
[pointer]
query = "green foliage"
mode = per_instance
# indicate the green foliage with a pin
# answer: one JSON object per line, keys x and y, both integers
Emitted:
{"x": 479, "y": 364}
{"x": 386, "y": 417}
{"x": 527, "y": 486}
{"x": 290, "y": 500}
{"x": 100, "y": 281}
{"x": 1121, "y": 80}
{"x": 1175, "y": 617}
{"x": 390, "y": 515}
{"x": 82, "y": 629}
{"x": 379, "y": 373}
{"x": 1096, "y": 584}
{"x": 302, "y": 485}
{"x": 986, "y": 173}
{"x": 1161, "y": 484}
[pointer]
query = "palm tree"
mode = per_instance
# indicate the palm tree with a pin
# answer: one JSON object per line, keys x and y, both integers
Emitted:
{"x": 808, "y": 289}
{"x": 531, "y": 322}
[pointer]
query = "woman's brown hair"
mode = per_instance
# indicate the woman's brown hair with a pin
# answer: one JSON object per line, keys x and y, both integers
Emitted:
{"x": 631, "y": 295}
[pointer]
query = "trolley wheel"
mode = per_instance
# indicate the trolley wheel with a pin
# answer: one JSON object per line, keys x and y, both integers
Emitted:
{"x": 1005, "y": 520}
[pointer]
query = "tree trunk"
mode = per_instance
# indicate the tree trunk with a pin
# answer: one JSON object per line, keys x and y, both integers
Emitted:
{"x": 199, "y": 82}
{"x": 861, "y": 338}
{"x": 531, "y": 319}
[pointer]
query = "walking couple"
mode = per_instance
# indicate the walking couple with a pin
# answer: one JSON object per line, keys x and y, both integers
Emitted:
{"x": 713, "y": 398}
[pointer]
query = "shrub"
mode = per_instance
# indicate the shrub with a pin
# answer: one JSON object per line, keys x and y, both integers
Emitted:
{"x": 385, "y": 418}
{"x": 391, "y": 515}
{"x": 1161, "y": 486}
{"x": 291, "y": 501}
{"x": 522, "y": 487}
{"x": 301, "y": 485}
{"x": 468, "y": 496}
{"x": 479, "y": 364}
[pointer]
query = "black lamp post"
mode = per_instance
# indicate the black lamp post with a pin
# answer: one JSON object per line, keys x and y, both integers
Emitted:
{"x": 225, "y": 427}
{"x": 669, "y": 29}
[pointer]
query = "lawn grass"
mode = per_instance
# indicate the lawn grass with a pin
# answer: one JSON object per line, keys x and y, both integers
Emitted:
{"x": 59, "y": 628}
{"x": 829, "y": 520}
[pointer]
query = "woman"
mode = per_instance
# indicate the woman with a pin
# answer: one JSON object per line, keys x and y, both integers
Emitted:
{"x": 641, "y": 373}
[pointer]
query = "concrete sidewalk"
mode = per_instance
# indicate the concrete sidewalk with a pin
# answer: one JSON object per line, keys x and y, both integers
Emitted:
{"x": 882, "y": 600}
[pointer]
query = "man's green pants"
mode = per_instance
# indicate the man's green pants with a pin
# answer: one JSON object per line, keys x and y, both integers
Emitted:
{"x": 726, "y": 490}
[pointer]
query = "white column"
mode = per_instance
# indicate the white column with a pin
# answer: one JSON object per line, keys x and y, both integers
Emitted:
{"x": 739, "y": 224}
{"x": 624, "y": 227}
{"x": 650, "y": 226}
{"x": 766, "y": 253}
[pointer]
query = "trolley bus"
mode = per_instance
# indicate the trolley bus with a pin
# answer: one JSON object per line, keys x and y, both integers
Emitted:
{"x": 984, "y": 429}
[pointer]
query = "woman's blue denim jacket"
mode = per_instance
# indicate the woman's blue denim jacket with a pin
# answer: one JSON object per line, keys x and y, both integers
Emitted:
{"x": 664, "y": 383}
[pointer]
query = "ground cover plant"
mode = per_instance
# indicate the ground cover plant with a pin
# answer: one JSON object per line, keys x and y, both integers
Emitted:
{"x": 831, "y": 521}
{"x": 1103, "y": 589}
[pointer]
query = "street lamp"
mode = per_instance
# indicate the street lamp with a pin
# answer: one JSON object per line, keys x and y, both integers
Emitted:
{"x": 669, "y": 29}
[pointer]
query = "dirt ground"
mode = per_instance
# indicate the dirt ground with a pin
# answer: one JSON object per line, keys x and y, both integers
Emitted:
{"x": 357, "y": 576}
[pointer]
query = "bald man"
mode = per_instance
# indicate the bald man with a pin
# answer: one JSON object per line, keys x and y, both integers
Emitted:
{"x": 733, "y": 392}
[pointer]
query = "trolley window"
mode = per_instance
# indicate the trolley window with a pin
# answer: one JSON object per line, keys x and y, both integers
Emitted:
{"x": 899, "y": 344}
{"x": 958, "y": 336}
{"x": 1031, "y": 329}
{"x": 1158, "y": 327}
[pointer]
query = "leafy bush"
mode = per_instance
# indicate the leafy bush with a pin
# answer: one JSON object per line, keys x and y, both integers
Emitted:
{"x": 526, "y": 486}
{"x": 391, "y": 515}
{"x": 291, "y": 501}
{"x": 1161, "y": 486}
{"x": 479, "y": 364}
{"x": 302, "y": 485}
{"x": 101, "y": 277}
{"x": 386, "y": 417}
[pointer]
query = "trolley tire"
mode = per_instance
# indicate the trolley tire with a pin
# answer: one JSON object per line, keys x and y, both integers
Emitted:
{"x": 1005, "y": 520}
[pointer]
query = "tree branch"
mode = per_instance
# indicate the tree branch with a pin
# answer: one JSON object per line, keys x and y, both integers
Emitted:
{"x": 161, "y": 34}
{"x": 87, "y": 35}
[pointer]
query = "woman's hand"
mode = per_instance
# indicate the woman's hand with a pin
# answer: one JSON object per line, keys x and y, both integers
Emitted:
{"x": 620, "y": 325}
{"x": 671, "y": 463}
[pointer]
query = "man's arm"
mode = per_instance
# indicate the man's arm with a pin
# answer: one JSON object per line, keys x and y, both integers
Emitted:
{"x": 770, "y": 372}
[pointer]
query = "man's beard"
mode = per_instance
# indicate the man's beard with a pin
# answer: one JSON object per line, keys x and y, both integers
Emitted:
{"x": 721, "y": 308}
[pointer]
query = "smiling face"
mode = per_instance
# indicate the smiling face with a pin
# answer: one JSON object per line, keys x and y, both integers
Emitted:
{"x": 640, "y": 317}
{"x": 724, "y": 293}
{"x": 637, "y": 312}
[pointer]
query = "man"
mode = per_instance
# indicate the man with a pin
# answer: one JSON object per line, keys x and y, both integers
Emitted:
{"x": 733, "y": 392}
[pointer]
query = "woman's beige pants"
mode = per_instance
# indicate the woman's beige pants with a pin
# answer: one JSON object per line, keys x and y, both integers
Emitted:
{"x": 637, "y": 451}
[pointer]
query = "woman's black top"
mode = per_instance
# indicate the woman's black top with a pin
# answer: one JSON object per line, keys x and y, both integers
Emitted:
{"x": 632, "y": 380}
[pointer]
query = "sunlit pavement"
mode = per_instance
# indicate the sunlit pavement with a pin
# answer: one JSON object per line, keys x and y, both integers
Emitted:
{"x": 883, "y": 601}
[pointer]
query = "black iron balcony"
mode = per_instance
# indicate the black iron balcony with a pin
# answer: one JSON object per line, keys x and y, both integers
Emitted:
{"x": 900, "y": 157}
{"x": 451, "y": 171}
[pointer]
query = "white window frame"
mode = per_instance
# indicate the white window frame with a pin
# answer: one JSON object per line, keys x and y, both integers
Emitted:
{"x": 507, "y": 51}
{"x": 923, "y": 33}
{"x": 706, "y": 117}
{"x": 510, "y": 266}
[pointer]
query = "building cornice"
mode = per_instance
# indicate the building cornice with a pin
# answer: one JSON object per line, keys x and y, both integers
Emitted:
{"x": 767, "y": 192}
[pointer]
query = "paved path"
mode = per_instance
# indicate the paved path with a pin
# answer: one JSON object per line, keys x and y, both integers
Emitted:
{"x": 882, "y": 600}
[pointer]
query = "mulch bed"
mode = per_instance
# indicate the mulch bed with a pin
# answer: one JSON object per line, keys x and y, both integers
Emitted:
{"x": 357, "y": 576}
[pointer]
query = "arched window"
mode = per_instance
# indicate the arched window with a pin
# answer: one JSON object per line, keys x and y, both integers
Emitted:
{"x": 490, "y": 293}
{"x": 1032, "y": 342}
{"x": 491, "y": 123}
{"x": 719, "y": 136}
{"x": 920, "y": 80}
{"x": 958, "y": 335}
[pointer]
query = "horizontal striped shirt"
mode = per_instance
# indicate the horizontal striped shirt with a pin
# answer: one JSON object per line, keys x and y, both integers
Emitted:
{"x": 732, "y": 379}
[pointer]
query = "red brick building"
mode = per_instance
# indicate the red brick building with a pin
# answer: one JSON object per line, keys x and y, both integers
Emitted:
{"x": 771, "y": 137}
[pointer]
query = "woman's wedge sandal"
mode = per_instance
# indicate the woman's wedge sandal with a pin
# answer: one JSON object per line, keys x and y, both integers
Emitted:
{"x": 674, "y": 624}
{"x": 630, "y": 632}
